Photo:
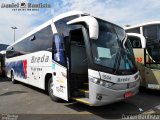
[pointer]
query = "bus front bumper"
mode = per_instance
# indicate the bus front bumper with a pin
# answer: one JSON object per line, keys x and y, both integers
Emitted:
{"x": 102, "y": 96}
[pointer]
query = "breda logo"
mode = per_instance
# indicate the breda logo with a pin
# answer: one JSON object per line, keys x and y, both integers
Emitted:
{"x": 40, "y": 59}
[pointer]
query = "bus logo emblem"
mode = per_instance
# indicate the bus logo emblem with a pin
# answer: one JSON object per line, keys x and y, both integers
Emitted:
{"x": 23, "y": 4}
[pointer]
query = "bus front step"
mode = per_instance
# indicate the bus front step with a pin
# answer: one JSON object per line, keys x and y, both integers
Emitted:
{"x": 84, "y": 92}
{"x": 82, "y": 100}
{"x": 85, "y": 85}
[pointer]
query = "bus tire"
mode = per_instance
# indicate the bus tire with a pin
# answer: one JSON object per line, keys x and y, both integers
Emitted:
{"x": 50, "y": 91}
{"x": 12, "y": 78}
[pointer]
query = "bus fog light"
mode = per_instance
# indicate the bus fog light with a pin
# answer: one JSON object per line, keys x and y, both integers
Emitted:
{"x": 99, "y": 97}
{"x": 94, "y": 80}
{"x": 107, "y": 84}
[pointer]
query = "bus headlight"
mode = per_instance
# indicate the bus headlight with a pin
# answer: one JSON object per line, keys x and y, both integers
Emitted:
{"x": 101, "y": 82}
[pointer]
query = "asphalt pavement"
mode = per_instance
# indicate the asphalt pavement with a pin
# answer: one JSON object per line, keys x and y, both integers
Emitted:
{"x": 22, "y": 101}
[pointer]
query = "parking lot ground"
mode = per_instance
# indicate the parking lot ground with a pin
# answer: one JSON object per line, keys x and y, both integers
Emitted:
{"x": 29, "y": 102}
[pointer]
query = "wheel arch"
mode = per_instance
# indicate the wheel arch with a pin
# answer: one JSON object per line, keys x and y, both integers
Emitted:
{"x": 11, "y": 71}
{"x": 47, "y": 77}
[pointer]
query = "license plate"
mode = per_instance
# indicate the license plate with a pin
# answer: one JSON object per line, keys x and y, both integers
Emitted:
{"x": 128, "y": 94}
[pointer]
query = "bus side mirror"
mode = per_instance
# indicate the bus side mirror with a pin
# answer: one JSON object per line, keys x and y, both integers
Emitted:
{"x": 10, "y": 48}
{"x": 124, "y": 41}
{"x": 91, "y": 23}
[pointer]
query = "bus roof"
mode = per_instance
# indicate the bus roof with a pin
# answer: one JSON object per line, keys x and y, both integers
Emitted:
{"x": 49, "y": 22}
{"x": 56, "y": 18}
{"x": 143, "y": 24}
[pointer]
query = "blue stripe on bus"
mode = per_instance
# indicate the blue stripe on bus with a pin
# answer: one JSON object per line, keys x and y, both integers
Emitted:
{"x": 19, "y": 68}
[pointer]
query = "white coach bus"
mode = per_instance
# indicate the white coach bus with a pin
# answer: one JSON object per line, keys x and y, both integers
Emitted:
{"x": 145, "y": 40}
{"x": 76, "y": 56}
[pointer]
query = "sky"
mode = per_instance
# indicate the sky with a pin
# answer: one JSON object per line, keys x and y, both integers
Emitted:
{"x": 121, "y": 12}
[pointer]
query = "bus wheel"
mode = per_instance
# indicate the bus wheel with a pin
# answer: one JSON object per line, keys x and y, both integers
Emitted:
{"x": 50, "y": 91}
{"x": 12, "y": 78}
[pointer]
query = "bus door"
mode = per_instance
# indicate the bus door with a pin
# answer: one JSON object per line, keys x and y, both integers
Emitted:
{"x": 59, "y": 67}
{"x": 78, "y": 61}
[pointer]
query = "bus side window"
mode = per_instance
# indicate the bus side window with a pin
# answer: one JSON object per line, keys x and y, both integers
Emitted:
{"x": 135, "y": 41}
{"x": 134, "y": 30}
{"x": 151, "y": 32}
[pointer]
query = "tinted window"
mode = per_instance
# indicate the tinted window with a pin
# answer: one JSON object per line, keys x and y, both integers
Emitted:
{"x": 120, "y": 33}
{"x": 76, "y": 37}
{"x": 152, "y": 32}
{"x": 135, "y": 41}
{"x": 42, "y": 40}
{"x": 107, "y": 50}
{"x": 133, "y": 30}
{"x": 62, "y": 27}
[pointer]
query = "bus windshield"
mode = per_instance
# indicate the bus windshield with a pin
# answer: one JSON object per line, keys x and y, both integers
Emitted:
{"x": 107, "y": 50}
